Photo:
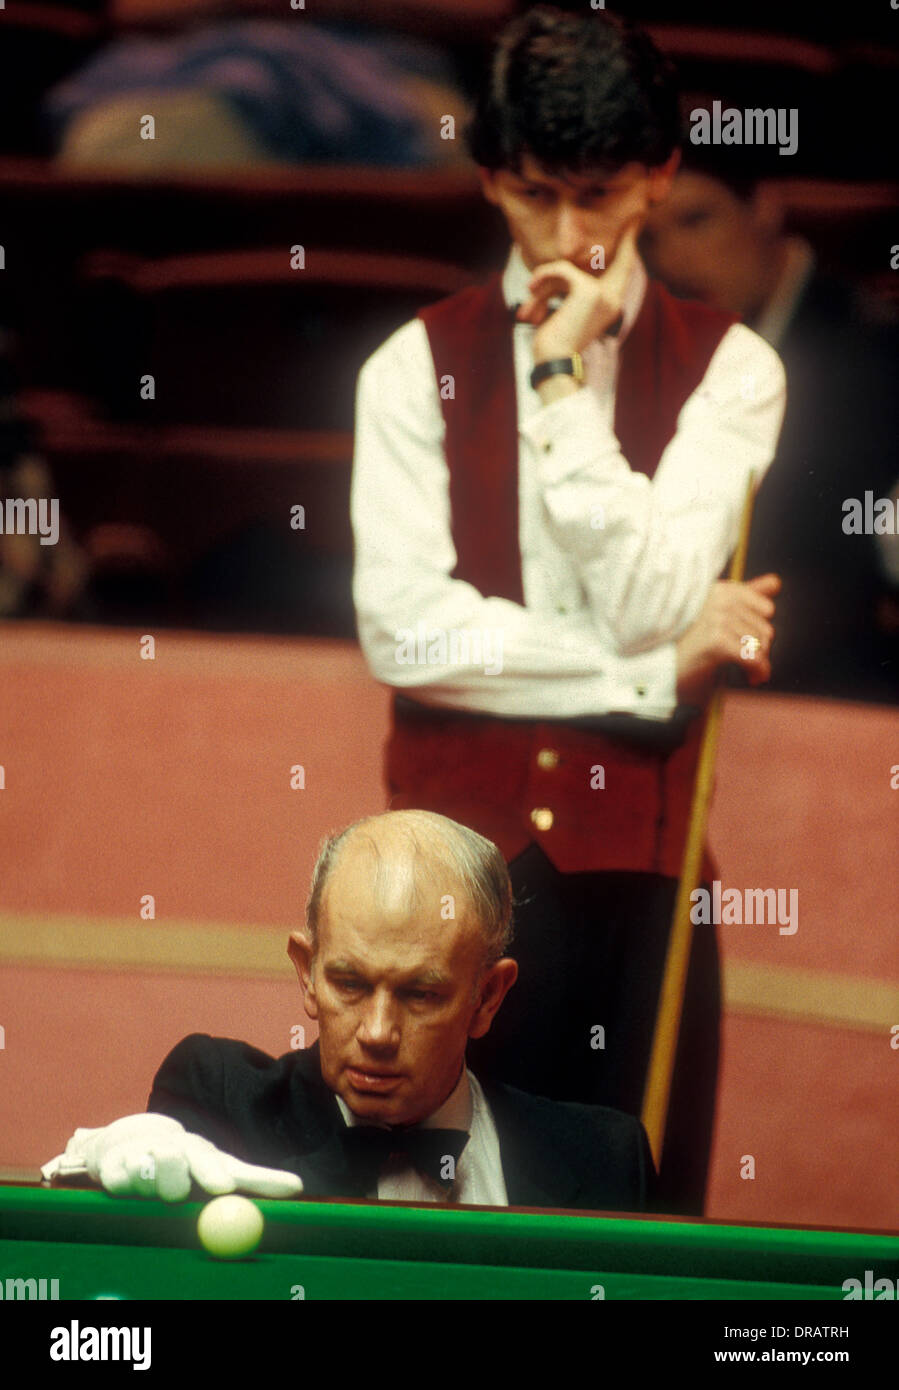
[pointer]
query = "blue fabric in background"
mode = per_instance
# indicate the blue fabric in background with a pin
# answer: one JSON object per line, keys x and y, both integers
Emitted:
{"x": 308, "y": 92}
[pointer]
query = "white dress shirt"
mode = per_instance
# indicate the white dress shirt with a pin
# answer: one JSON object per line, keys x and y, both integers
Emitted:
{"x": 479, "y": 1171}
{"x": 615, "y": 566}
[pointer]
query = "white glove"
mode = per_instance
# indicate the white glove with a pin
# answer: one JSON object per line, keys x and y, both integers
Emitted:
{"x": 154, "y": 1156}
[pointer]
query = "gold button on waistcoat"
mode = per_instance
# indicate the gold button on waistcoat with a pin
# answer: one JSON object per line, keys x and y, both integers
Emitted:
{"x": 547, "y": 758}
{"x": 542, "y": 818}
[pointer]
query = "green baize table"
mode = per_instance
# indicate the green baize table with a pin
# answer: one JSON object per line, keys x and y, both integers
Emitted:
{"x": 96, "y": 1246}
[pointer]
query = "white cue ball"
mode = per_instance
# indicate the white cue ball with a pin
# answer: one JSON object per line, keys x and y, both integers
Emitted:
{"x": 230, "y": 1227}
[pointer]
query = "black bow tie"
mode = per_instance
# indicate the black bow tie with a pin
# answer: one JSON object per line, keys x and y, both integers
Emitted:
{"x": 368, "y": 1148}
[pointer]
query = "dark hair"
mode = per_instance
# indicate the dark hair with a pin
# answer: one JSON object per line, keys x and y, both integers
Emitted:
{"x": 576, "y": 92}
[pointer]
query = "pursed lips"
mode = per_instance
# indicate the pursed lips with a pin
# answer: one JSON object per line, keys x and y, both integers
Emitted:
{"x": 372, "y": 1071}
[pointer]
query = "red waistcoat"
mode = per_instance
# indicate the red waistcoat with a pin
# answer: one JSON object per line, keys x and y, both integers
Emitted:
{"x": 525, "y": 780}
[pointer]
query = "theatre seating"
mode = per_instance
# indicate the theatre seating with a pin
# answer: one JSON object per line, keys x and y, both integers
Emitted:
{"x": 198, "y": 525}
{"x": 243, "y": 339}
{"x": 254, "y": 362}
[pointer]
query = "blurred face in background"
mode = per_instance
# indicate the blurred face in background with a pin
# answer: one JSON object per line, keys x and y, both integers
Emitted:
{"x": 704, "y": 242}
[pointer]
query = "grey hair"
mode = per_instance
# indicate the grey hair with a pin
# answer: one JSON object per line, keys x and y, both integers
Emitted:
{"x": 473, "y": 859}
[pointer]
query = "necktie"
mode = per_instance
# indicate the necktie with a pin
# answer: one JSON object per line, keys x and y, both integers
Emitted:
{"x": 368, "y": 1148}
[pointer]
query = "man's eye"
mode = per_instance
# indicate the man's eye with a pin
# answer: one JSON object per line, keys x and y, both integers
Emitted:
{"x": 346, "y": 984}
{"x": 422, "y": 995}
{"x": 534, "y": 193}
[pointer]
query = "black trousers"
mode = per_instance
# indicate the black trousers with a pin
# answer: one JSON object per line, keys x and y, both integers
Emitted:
{"x": 591, "y": 953}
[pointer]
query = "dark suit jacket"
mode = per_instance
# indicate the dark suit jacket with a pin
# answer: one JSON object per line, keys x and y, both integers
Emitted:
{"x": 280, "y": 1113}
{"x": 838, "y": 441}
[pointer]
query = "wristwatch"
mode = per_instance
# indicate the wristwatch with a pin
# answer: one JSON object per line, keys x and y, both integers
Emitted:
{"x": 559, "y": 366}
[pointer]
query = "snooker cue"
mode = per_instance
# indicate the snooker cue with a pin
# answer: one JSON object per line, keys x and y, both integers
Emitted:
{"x": 657, "y": 1093}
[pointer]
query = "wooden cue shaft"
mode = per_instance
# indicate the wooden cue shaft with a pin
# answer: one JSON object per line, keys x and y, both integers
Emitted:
{"x": 671, "y": 997}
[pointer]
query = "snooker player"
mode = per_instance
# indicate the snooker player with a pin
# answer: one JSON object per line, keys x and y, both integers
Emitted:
{"x": 403, "y": 959}
{"x": 550, "y": 470}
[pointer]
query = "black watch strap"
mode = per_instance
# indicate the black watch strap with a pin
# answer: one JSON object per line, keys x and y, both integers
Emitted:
{"x": 558, "y": 366}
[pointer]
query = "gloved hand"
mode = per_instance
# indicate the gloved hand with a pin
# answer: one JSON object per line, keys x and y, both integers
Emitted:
{"x": 154, "y": 1156}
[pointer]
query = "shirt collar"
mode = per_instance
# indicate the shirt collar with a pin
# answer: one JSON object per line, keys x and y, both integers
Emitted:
{"x": 455, "y": 1112}
{"x": 516, "y": 278}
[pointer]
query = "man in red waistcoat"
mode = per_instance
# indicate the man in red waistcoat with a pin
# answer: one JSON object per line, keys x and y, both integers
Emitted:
{"x": 550, "y": 471}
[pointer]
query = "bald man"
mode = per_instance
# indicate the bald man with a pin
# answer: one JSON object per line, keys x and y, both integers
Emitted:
{"x": 402, "y": 960}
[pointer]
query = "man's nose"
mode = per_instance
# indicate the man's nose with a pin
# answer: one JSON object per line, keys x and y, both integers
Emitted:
{"x": 379, "y": 1026}
{"x": 571, "y": 236}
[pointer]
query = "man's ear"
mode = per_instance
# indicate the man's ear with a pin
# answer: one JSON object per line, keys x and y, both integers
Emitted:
{"x": 492, "y": 990}
{"x": 302, "y": 953}
{"x": 662, "y": 177}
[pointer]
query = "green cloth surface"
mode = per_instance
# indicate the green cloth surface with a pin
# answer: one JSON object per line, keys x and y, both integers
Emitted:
{"x": 101, "y": 1246}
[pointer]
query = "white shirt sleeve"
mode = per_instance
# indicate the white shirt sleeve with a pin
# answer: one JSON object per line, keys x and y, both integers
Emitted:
{"x": 647, "y": 551}
{"x": 439, "y": 637}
